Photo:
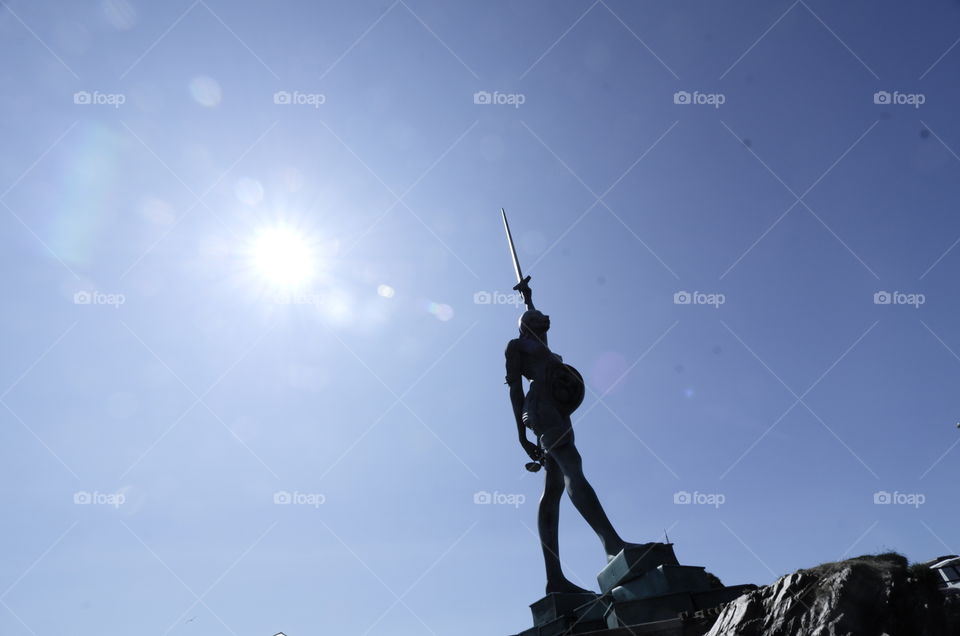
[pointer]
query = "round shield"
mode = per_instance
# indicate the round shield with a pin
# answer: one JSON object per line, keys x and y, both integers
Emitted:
{"x": 566, "y": 387}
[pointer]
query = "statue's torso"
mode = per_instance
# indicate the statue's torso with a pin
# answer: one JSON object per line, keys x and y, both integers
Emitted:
{"x": 532, "y": 357}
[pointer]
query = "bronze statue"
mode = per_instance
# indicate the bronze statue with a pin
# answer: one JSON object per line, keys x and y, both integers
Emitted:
{"x": 556, "y": 390}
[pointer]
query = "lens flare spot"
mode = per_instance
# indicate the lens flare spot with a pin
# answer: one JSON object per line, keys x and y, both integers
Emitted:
{"x": 609, "y": 370}
{"x": 205, "y": 91}
{"x": 386, "y": 291}
{"x": 440, "y": 311}
{"x": 338, "y": 308}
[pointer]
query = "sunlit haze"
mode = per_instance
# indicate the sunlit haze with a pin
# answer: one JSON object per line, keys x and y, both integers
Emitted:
{"x": 256, "y": 296}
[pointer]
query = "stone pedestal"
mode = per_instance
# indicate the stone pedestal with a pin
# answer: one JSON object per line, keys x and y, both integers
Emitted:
{"x": 646, "y": 584}
{"x": 705, "y": 604}
{"x": 645, "y": 590}
{"x": 663, "y": 579}
{"x": 634, "y": 562}
{"x": 571, "y": 613}
{"x": 554, "y": 606}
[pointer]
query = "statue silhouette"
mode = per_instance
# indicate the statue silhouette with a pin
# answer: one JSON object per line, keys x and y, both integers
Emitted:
{"x": 555, "y": 390}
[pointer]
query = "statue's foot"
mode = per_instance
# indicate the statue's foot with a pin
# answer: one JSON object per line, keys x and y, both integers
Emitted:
{"x": 611, "y": 554}
{"x": 566, "y": 587}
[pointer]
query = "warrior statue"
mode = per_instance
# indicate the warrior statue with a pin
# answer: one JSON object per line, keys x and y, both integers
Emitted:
{"x": 555, "y": 391}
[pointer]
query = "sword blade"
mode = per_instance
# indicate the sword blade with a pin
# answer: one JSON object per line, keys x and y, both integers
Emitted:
{"x": 513, "y": 250}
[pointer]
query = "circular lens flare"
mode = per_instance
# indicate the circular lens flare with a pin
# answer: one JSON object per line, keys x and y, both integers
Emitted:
{"x": 283, "y": 257}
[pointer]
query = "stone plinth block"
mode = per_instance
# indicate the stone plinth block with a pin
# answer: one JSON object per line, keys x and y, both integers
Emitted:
{"x": 645, "y": 610}
{"x": 633, "y": 562}
{"x": 553, "y": 606}
{"x": 664, "y": 579}
{"x": 566, "y": 626}
{"x": 669, "y": 606}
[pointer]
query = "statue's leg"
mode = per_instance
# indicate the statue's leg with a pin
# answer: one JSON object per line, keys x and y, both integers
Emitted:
{"x": 584, "y": 498}
{"x": 548, "y": 520}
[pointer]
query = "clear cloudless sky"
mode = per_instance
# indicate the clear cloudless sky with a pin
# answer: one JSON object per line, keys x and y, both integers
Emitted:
{"x": 151, "y": 435}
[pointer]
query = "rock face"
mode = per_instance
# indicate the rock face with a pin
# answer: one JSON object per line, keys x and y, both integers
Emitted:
{"x": 865, "y": 596}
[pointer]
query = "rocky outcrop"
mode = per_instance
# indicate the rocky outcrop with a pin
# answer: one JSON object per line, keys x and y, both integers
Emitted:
{"x": 865, "y": 596}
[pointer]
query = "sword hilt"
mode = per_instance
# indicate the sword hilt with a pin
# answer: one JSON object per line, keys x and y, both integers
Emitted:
{"x": 524, "y": 288}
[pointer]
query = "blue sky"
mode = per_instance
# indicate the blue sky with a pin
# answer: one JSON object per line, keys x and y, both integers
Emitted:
{"x": 150, "y": 423}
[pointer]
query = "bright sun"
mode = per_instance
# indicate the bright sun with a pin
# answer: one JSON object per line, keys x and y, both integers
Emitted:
{"x": 283, "y": 257}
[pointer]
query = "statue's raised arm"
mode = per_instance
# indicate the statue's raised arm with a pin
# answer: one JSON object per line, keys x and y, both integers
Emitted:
{"x": 524, "y": 288}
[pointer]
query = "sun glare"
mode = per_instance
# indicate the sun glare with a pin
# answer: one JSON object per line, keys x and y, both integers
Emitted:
{"x": 283, "y": 257}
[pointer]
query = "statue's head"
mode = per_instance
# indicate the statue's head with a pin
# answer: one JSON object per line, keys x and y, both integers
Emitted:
{"x": 534, "y": 321}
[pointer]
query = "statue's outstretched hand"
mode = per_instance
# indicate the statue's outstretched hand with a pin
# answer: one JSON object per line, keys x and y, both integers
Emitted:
{"x": 532, "y": 450}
